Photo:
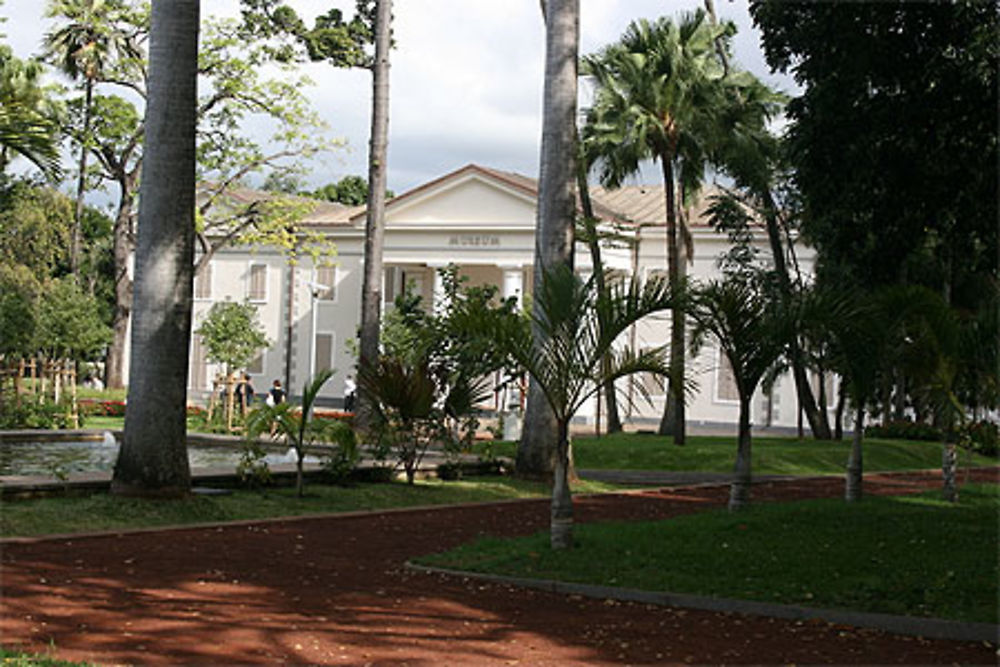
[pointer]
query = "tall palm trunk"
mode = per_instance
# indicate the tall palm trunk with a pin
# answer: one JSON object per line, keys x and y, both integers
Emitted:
{"x": 739, "y": 491}
{"x": 855, "y": 464}
{"x": 673, "y": 421}
{"x": 594, "y": 245}
{"x": 820, "y": 428}
{"x": 153, "y": 459}
{"x": 556, "y": 208}
{"x": 81, "y": 183}
{"x": 371, "y": 293}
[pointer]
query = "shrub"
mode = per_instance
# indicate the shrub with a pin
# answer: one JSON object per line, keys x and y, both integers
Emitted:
{"x": 30, "y": 414}
{"x": 904, "y": 430}
{"x": 982, "y": 437}
{"x": 252, "y": 468}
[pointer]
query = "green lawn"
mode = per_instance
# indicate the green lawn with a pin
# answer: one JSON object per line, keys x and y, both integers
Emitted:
{"x": 54, "y": 515}
{"x": 634, "y": 451}
{"x": 16, "y": 658}
{"x": 903, "y": 555}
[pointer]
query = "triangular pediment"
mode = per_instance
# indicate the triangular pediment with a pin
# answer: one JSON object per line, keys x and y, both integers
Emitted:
{"x": 471, "y": 196}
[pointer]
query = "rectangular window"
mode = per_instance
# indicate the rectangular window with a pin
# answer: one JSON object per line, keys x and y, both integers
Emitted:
{"x": 324, "y": 352}
{"x": 327, "y": 275}
{"x": 256, "y": 366}
{"x": 725, "y": 381}
{"x": 198, "y": 376}
{"x": 390, "y": 285}
{"x": 257, "y": 288}
{"x": 203, "y": 282}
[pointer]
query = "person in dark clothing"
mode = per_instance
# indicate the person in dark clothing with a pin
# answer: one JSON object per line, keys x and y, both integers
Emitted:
{"x": 244, "y": 393}
{"x": 276, "y": 395}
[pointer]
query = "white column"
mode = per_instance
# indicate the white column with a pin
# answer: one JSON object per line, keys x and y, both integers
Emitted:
{"x": 513, "y": 284}
{"x": 439, "y": 299}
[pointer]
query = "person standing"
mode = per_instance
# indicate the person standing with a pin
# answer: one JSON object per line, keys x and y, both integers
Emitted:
{"x": 276, "y": 395}
{"x": 244, "y": 393}
{"x": 350, "y": 390}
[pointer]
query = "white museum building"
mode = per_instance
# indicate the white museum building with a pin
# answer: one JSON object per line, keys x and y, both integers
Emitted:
{"x": 483, "y": 221}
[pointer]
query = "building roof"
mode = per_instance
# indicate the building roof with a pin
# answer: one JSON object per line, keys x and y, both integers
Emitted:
{"x": 630, "y": 204}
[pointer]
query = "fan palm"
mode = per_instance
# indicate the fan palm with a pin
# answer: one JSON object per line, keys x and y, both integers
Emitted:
{"x": 662, "y": 94}
{"x": 575, "y": 357}
{"x": 84, "y": 48}
{"x": 27, "y": 118}
{"x": 752, "y": 330}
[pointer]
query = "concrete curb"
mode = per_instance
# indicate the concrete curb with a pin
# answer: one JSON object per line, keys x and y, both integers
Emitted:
{"x": 933, "y": 628}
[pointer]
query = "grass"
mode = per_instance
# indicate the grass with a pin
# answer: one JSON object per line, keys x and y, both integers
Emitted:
{"x": 98, "y": 512}
{"x": 16, "y": 658}
{"x": 635, "y": 451}
{"x": 914, "y": 555}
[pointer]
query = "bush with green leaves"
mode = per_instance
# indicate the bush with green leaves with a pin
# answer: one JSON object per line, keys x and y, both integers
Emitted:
{"x": 232, "y": 334}
{"x": 296, "y": 427}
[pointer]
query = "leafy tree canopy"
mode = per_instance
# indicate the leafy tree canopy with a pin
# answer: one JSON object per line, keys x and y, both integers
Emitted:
{"x": 232, "y": 334}
{"x": 351, "y": 190}
{"x": 894, "y": 140}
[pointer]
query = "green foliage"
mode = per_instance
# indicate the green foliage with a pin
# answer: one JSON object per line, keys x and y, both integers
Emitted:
{"x": 35, "y": 221}
{"x": 342, "y": 43}
{"x": 913, "y": 189}
{"x": 351, "y": 190}
{"x": 252, "y": 469}
{"x": 904, "y": 429}
{"x": 982, "y": 437}
{"x": 232, "y": 334}
{"x": 29, "y": 115}
{"x": 31, "y": 413}
{"x": 69, "y": 323}
{"x": 915, "y": 556}
{"x": 296, "y": 426}
{"x": 578, "y": 327}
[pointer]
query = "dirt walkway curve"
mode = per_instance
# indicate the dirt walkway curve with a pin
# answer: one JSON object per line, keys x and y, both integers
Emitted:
{"x": 334, "y": 591}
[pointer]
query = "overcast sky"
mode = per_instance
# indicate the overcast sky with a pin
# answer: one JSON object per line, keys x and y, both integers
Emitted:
{"x": 465, "y": 82}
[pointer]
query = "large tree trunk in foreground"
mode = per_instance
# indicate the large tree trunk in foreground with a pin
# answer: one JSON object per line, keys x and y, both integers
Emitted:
{"x": 949, "y": 470}
{"x": 739, "y": 491}
{"x": 371, "y": 291}
{"x": 556, "y": 206}
{"x": 855, "y": 464}
{"x": 153, "y": 459}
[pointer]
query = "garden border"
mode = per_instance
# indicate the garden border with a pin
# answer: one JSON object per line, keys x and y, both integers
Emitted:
{"x": 934, "y": 628}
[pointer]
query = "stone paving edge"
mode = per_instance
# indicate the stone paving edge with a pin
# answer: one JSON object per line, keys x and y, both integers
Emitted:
{"x": 931, "y": 628}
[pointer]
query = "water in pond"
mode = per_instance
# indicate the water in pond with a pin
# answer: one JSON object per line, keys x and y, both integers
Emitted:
{"x": 45, "y": 458}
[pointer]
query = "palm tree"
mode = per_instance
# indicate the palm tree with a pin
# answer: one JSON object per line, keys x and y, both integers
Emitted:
{"x": 371, "y": 290}
{"x": 27, "y": 117}
{"x": 661, "y": 93}
{"x": 752, "y": 330}
{"x": 83, "y": 49}
{"x": 555, "y": 210}
{"x": 299, "y": 429}
{"x": 153, "y": 458}
{"x": 577, "y": 325}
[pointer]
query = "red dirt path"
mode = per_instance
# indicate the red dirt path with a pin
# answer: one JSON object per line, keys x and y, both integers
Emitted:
{"x": 333, "y": 590}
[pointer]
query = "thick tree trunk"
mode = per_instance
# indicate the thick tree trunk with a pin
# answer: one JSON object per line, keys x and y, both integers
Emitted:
{"x": 561, "y": 528}
{"x": 673, "y": 421}
{"x": 739, "y": 491}
{"x": 855, "y": 464}
{"x": 153, "y": 459}
{"x": 556, "y": 207}
{"x": 371, "y": 292}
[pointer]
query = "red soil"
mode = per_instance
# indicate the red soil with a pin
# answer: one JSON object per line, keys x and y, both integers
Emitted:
{"x": 333, "y": 590}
